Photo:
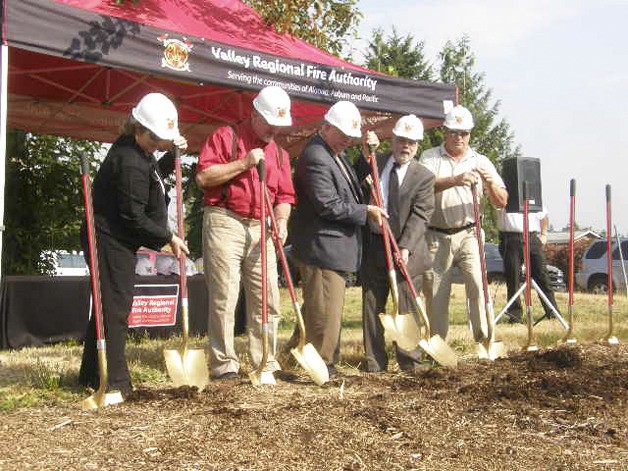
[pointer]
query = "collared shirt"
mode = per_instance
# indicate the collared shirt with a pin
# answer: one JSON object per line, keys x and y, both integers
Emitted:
{"x": 243, "y": 191}
{"x": 454, "y": 206}
{"x": 513, "y": 222}
{"x": 385, "y": 177}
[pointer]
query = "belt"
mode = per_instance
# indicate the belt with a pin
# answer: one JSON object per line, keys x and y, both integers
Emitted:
{"x": 452, "y": 230}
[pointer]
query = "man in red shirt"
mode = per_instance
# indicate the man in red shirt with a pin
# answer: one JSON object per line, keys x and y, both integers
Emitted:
{"x": 228, "y": 175}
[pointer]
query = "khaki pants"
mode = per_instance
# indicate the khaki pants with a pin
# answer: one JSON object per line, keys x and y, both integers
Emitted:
{"x": 447, "y": 251}
{"x": 231, "y": 255}
{"x": 323, "y": 302}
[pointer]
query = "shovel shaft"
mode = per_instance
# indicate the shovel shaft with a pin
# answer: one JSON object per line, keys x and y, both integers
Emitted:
{"x": 183, "y": 275}
{"x": 609, "y": 261}
{"x": 101, "y": 346}
{"x": 488, "y": 306}
{"x": 274, "y": 230}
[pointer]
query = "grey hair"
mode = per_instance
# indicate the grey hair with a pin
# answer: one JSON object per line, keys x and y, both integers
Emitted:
{"x": 131, "y": 126}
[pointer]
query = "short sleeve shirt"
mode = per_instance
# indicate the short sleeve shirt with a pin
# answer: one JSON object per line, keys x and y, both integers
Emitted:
{"x": 454, "y": 206}
{"x": 242, "y": 194}
{"x": 513, "y": 222}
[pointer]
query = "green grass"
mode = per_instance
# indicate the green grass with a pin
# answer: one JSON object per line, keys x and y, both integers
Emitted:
{"x": 33, "y": 377}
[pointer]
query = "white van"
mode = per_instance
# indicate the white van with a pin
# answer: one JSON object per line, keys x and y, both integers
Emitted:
{"x": 67, "y": 263}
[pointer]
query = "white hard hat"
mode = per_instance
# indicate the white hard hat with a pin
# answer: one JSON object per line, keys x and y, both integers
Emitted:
{"x": 459, "y": 118}
{"x": 409, "y": 127}
{"x": 158, "y": 114}
{"x": 345, "y": 116}
{"x": 273, "y": 103}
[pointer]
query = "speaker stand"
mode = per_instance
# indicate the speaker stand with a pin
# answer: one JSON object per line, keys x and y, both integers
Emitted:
{"x": 541, "y": 294}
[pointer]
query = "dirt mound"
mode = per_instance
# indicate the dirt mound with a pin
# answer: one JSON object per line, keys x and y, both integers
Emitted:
{"x": 563, "y": 408}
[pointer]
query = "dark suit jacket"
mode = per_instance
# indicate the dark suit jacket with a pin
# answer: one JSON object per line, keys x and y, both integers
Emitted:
{"x": 329, "y": 214}
{"x": 416, "y": 205}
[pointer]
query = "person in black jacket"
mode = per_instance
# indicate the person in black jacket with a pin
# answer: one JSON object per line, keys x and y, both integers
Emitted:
{"x": 130, "y": 211}
{"x": 327, "y": 237}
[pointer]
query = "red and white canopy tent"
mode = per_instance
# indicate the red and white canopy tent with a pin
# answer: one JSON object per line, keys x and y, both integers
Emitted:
{"x": 76, "y": 67}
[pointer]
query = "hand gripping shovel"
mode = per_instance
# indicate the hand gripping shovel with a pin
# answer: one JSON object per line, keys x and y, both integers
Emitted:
{"x": 307, "y": 356}
{"x": 488, "y": 348}
{"x": 185, "y": 366}
{"x": 260, "y": 376}
{"x": 609, "y": 337}
{"x": 433, "y": 345}
{"x": 400, "y": 328}
{"x": 100, "y": 398}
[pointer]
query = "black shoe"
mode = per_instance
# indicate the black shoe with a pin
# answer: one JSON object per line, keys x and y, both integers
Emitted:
{"x": 333, "y": 372}
{"x": 288, "y": 376}
{"x": 227, "y": 375}
{"x": 514, "y": 317}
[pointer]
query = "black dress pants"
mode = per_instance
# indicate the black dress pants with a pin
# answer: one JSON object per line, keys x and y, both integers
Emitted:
{"x": 375, "y": 289}
{"x": 117, "y": 279}
{"x": 511, "y": 250}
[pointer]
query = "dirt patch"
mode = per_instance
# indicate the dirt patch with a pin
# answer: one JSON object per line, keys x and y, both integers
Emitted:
{"x": 563, "y": 408}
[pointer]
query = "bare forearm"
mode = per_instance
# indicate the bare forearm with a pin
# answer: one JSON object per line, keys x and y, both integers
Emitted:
{"x": 444, "y": 183}
{"x": 282, "y": 211}
{"x": 497, "y": 195}
{"x": 219, "y": 174}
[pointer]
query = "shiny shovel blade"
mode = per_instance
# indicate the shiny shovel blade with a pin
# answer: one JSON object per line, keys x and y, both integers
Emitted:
{"x": 100, "y": 399}
{"x": 188, "y": 368}
{"x": 491, "y": 350}
{"x": 438, "y": 349}
{"x": 258, "y": 378}
{"x": 310, "y": 360}
{"x": 401, "y": 328}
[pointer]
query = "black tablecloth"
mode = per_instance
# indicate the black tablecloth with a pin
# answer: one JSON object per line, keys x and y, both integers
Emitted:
{"x": 38, "y": 310}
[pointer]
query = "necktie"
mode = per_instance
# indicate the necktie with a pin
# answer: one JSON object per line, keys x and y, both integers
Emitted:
{"x": 393, "y": 202}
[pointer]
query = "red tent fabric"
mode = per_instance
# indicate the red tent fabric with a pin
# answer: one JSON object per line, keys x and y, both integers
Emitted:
{"x": 76, "y": 67}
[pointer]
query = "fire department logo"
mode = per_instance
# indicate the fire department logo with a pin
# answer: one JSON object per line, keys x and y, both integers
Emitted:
{"x": 356, "y": 124}
{"x": 281, "y": 112}
{"x": 407, "y": 127}
{"x": 170, "y": 123}
{"x": 176, "y": 53}
{"x": 458, "y": 119}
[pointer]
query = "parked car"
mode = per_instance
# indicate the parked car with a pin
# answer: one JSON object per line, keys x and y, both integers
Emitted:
{"x": 66, "y": 263}
{"x": 495, "y": 270}
{"x": 149, "y": 262}
{"x": 593, "y": 275}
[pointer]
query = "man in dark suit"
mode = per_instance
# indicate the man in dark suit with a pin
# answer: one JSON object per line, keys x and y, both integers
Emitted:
{"x": 408, "y": 193}
{"x": 327, "y": 235}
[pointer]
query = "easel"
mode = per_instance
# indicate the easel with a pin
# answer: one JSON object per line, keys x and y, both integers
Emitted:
{"x": 526, "y": 288}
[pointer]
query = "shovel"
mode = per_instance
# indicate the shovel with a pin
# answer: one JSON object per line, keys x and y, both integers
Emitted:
{"x": 489, "y": 348}
{"x": 259, "y": 376}
{"x": 434, "y": 345}
{"x": 609, "y": 338}
{"x": 400, "y": 328}
{"x": 529, "y": 346}
{"x": 100, "y": 398}
{"x": 185, "y": 366}
{"x": 568, "y": 338}
{"x": 307, "y": 356}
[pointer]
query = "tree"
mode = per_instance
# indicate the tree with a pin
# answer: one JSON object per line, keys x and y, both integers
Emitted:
{"x": 44, "y": 204}
{"x": 398, "y": 56}
{"x": 324, "y": 23}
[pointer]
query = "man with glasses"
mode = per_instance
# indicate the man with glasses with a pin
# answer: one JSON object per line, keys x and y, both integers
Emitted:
{"x": 227, "y": 172}
{"x": 451, "y": 237}
{"x": 408, "y": 194}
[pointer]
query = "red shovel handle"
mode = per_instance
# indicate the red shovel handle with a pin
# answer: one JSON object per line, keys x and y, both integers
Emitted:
{"x": 478, "y": 236}
{"x": 572, "y": 219}
{"x": 261, "y": 170}
{"x": 609, "y": 255}
{"x": 180, "y": 223}
{"x": 93, "y": 253}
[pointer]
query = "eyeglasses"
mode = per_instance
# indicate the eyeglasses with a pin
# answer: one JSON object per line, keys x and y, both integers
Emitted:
{"x": 409, "y": 142}
{"x": 458, "y": 132}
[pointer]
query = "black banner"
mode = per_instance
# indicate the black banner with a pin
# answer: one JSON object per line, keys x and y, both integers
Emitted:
{"x": 56, "y": 29}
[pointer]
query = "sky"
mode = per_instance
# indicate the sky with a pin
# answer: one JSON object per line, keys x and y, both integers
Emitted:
{"x": 559, "y": 69}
